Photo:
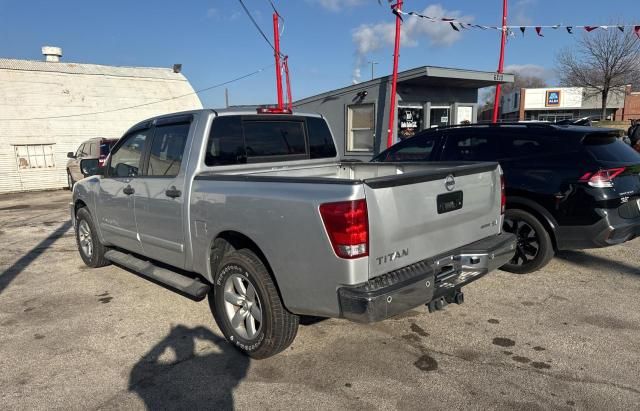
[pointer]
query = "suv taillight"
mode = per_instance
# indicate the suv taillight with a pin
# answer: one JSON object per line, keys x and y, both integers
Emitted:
{"x": 602, "y": 178}
{"x": 101, "y": 160}
{"x": 347, "y": 224}
{"x": 503, "y": 195}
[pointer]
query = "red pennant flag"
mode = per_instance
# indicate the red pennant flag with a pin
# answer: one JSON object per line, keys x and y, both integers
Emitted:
{"x": 539, "y": 31}
{"x": 636, "y": 30}
{"x": 590, "y": 28}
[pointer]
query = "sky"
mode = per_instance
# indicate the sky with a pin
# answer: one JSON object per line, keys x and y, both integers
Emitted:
{"x": 329, "y": 42}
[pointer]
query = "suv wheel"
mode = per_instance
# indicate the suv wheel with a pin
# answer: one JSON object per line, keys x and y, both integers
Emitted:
{"x": 534, "y": 248}
{"x": 70, "y": 181}
{"x": 247, "y": 307}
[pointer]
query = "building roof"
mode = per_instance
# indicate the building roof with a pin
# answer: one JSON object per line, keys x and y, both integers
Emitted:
{"x": 427, "y": 76}
{"x": 90, "y": 69}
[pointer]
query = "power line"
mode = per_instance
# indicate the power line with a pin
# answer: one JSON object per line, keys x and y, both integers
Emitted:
{"x": 246, "y": 10}
{"x": 143, "y": 104}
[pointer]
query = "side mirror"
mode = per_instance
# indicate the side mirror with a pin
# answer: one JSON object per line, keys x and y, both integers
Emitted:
{"x": 71, "y": 154}
{"x": 90, "y": 167}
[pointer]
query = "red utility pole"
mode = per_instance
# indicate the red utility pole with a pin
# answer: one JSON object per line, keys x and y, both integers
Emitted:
{"x": 394, "y": 81}
{"x": 496, "y": 102}
{"x": 276, "y": 37}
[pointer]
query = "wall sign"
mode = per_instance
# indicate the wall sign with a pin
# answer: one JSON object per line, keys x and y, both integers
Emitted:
{"x": 409, "y": 121}
{"x": 553, "y": 98}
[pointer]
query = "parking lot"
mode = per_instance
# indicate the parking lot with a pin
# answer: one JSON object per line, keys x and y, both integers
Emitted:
{"x": 78, "y": 338}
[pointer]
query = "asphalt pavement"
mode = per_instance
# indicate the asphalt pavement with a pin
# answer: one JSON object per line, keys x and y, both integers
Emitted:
{"x": 567, "y": 337}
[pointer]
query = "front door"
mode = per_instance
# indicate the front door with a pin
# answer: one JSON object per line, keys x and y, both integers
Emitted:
{"x": 160, "y": 202}
{"x": 116, "y": 216}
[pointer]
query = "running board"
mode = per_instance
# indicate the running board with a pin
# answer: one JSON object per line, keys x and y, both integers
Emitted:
{"x": 193, "y": 288}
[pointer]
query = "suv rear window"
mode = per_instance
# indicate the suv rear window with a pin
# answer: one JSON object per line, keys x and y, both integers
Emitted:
{"x": 106, "y": 146}
{"x": 605, "y": 147}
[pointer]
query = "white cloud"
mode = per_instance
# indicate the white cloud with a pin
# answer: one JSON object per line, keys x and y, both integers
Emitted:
{"x": 369, "y": 38}
{"x": 530, "y": 70}
{"x": 212, "y": 13}
{"x": 337, "y": 5}
{"x": 520, "y": 13}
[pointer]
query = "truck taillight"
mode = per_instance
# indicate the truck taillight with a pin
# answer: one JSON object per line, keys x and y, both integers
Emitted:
{"x": 347, "y": 224}
{"x": 503, "y": 195}
{"x": 101, "y": 160}
{"x": 602, "y": 178}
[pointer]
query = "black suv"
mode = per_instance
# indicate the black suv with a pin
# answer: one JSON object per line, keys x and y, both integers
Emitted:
{"x": 567, "y": 187}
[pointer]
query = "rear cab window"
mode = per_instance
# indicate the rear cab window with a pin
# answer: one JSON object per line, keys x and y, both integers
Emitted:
{"x": 254, "y": 139}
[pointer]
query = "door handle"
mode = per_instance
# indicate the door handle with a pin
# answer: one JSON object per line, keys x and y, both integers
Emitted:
{"x": 128, "y": 190}
{"x": 173, "y": 192}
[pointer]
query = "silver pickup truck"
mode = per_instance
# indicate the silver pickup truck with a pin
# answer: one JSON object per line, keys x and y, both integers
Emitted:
{"x": 256, "y": 211}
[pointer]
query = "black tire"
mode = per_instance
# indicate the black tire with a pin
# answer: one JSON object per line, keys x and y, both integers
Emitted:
{"x": 70, "y": 182}
{"x": 277, "y": 326}
{"x": 534, "y": 249}
{"x": 96, "y": 258}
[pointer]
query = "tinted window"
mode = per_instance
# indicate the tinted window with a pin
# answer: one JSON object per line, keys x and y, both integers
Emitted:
{"x": 226, "y": 143}
{"x": 274, "y": 138}
{"x": 93, "y": 152}
{"x": 105, "y": 147}
{"x": 463, "y": 147}
{"x": 527, "y": 145}
{"x": 320, "y": 140}
{"x": 610, "y": 149}
{"x": 167, "y": 149}
{"x": 125, "y": 161}
{"x": 417, "y": 148}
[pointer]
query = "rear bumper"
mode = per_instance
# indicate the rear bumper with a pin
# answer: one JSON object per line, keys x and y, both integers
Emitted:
{"x": 616, "y": 226}
{"x": 420, "y": 283}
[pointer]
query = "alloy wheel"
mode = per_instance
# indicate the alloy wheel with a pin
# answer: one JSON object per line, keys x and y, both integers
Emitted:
{"x": 528, "y": 244}
{"x": 85, "y": 239}
{"x": 242, "y": 306}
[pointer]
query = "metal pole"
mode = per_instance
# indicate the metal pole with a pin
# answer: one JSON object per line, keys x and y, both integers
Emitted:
{"x": 396, "y": 53}
{"x": 496, "y": 101}
{"x": 373, "y": 63}
{"x": 276, "y": 37}
{"x": 226, "y": 97}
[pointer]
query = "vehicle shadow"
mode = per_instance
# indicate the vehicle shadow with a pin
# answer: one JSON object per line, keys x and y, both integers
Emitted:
{"x": 189, "y": 380}
{"x": 7, "y": 276}
{"x": 594, "y": 261}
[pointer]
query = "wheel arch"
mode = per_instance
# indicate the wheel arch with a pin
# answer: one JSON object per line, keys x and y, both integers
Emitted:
{"x": 539, "y": 212}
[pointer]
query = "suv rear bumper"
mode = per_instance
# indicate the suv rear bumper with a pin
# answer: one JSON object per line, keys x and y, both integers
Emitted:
{"x": 615, "y": 227}
{"x": 420, "y": 283}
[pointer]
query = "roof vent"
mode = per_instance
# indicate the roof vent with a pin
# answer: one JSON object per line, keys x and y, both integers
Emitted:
{"x": 177, "y": 68}
{"x": 52, "y": 54}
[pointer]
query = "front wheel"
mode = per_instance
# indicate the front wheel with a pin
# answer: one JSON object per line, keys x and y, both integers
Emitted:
{"x": 89, "y": 245}
{"x": 70, "y": 181}
{"x": 247, "y": 307}
{"x": 534, "y": 248}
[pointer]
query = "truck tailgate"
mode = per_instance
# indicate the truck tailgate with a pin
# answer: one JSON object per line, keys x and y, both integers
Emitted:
{"x": 424, "y": 214}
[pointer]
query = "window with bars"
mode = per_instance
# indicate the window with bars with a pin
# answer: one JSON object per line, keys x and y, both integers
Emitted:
{"x": 30, "y": 156}
{"x": 361, "y": 124}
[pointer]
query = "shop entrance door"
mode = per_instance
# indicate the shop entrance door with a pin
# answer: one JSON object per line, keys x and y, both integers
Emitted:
{"x": 440, "y": 116}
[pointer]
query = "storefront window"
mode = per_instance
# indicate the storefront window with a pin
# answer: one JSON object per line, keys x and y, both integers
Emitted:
{"x": 361, "y": 127}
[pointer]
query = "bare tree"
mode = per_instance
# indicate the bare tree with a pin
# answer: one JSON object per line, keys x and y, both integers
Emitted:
{"x": 605, "y": 61}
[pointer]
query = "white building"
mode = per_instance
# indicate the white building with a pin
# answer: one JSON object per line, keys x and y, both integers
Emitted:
{"x": 559, "y": 103}
{"x": 47, "y": 108}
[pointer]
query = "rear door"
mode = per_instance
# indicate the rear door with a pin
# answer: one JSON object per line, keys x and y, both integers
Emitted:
{"x": 413, "y": 217}
{"x": 160, "y": 199}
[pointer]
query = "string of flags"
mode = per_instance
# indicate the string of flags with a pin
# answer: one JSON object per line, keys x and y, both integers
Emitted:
{"x": 458, "y": 25}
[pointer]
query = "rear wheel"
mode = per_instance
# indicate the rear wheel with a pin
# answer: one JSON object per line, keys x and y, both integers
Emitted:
{"x": 534, "y": 248}
{"x": 247, "y": 307}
